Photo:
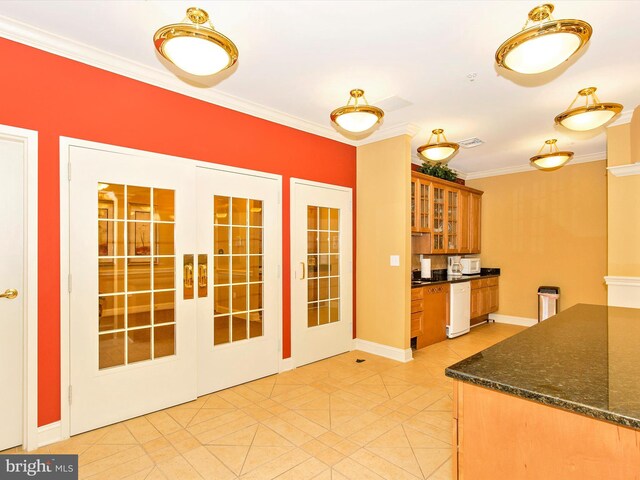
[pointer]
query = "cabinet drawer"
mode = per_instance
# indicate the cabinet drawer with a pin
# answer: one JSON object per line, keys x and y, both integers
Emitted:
{"x": 417, "y": 293}
{"x": 416, "y": 305}
{"x": 475, "y": 284}
{"x": 442, "y": 288}
{"x": 416, "y": 324}
{"x": 491, "y": 282}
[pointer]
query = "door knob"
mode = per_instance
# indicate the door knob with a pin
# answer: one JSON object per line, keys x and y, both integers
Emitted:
{"x": 9, "y": 293}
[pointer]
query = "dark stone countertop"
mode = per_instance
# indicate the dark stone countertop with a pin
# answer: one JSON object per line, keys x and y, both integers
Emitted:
{"x": 445, "y": 279}
{"x": 586, "y": 360}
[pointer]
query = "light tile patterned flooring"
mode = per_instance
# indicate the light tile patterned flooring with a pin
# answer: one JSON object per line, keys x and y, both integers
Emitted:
{"x": 332, "y": 420}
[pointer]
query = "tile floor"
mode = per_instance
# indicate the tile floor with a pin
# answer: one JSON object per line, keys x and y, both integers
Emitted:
{"x": 331, "y": 420}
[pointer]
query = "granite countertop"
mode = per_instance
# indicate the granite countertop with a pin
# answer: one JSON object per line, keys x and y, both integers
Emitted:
{"x": 464, "y": 278}
{"x": 586, "y": 360}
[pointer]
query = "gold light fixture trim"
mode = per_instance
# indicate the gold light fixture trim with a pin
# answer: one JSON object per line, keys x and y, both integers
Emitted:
{"x": 195, "y": 47}
{"x": 358, "y": 117}
{"x": 589, "y": 116}
{"x": 440, "y": 150}
{"x": 544, "y": 46}
{"x": 555, "y": 158}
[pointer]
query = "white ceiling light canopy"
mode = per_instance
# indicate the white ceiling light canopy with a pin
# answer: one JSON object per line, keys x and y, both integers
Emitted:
{"x": 544, "y": 46}
{"x": 592, "y": 115}
{"x": 357, "y": 118}
{"x": 555, "y": 158}
{"x": 438, "y": 151}
{"x": 195, "y": 47}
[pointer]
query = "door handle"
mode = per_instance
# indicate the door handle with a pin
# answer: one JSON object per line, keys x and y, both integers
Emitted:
{"x": 202, "y": 276}
{"x": 304, "y": 274}
{"x": 9, "y": 293}
{"x": 188, "y": 276}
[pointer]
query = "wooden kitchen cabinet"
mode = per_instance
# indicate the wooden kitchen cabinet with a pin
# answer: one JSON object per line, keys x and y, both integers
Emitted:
{"x": 416, "y": 311}
{"x": 484, "y": 298}
{"x": 449, "y": 213}
{"x": 435, "y": 314}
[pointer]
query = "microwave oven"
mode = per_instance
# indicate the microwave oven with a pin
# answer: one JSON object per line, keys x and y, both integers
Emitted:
{"x": 470, "y": 266}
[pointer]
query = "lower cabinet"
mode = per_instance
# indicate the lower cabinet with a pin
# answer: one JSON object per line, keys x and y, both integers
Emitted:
{"x": 416, "y": 312}
{"x": 484, "y": 298}
{"x": 429, "y": 314}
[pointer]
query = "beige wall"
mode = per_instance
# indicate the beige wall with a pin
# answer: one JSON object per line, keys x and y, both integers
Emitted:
{"x": 624, "y": 200}
{"x": 546, "y": 228}
{"x": 383, "y": 293}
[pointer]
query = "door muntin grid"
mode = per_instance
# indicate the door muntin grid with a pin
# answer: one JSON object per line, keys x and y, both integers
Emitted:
{"x": 238, "y": 286}
{"x": 136, "y": 274}
{"x": 323, "y": 265}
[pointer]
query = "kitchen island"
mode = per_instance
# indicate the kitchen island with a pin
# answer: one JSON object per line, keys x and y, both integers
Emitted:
{"x": 560, "y": 400}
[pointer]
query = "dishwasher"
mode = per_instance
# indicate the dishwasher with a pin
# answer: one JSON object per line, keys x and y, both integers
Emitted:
{"x": 459, "y": 309}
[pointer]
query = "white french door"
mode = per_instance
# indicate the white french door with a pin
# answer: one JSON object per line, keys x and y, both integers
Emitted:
{"x": 322, "y": 278}
{"x": 132, "y": 333}
{"x": 175, "y": 281}
{"x": 239, "y": 284}
{"x": 12, "y": 163}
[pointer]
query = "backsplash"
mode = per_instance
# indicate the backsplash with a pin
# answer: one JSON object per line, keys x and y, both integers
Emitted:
{"x": 437, "y": 261}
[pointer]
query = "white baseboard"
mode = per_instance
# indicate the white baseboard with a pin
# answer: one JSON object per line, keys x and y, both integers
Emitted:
{"x": 286, "y": 364}
{"x": 623, "y": 291}
{"x": 512, "y": 320}
{"x": 386, "y": 351}
{"x": 48, "y": 434}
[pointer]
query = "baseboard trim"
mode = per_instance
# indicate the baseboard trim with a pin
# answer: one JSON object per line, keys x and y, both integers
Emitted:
{"x": 381, "y": 350}
{"x": 623, "y": 291}
{"x": 48, "y": 434}
{"x": 513, "y": 320}
{"x": 286, "y": 364}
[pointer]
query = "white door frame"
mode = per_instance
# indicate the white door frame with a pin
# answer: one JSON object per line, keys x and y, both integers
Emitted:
{"x": 293, "y": 260}
{"x": 65, "y": 145}
{"x": 29, "y": 288}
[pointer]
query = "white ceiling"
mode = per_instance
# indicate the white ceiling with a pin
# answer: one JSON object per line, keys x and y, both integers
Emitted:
{"x": 303, "y": 57}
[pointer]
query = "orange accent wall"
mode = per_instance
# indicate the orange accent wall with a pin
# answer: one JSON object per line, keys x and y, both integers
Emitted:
{"x": 60, "y": 97}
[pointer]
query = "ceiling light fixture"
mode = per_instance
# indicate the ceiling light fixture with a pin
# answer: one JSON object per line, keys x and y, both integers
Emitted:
{"x": 545, "y": 45}
{"x": 195, "y": 47}
{"x": 591, "y": 115}
{"x": 438, "y": 151}
{"x": 357, "y": 118}
{"x": 555, "y": 158}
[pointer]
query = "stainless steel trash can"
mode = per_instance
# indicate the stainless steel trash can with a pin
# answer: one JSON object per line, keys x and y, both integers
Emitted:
{"x": 548, "y": 299}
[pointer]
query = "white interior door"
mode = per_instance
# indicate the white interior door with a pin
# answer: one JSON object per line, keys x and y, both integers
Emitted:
{"x": 132, "y": 334}
{"x": 12, "y": 167}
{"x": 321, "y": 278}
{"x": 239, "y": 281}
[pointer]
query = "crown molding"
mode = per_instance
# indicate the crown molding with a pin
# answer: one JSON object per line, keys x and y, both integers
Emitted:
{"x": 589, "y": 157}
{"x": 624, "y": 117}
{"x": 625, "y": 170}
{"x": 49, "y": 42}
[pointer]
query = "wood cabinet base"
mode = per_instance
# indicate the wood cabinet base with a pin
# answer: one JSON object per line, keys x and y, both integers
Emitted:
{"x": 496, "y": 435}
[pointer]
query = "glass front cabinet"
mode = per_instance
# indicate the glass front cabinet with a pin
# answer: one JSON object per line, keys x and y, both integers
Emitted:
{"x": 449, "y": 213}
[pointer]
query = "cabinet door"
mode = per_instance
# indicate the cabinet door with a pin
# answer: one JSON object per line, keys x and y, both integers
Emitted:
{"x": 475, "y": 205}
{"x": 414, "y": 204}
{"x": 464, "y": 205}
{"x": 476, "y": 302}
{"x": 435, "y": 315}
{"x": 424, "y": 210}
{"x": 492, "y": 299}
{"x": 416, "y": 324}
{"x": 453, "y": 221}
{"x": 438, "y": 220}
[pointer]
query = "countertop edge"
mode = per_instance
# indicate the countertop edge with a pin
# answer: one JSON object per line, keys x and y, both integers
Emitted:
{"x": 569, "y": 406}
{"x": 464, "y": 278}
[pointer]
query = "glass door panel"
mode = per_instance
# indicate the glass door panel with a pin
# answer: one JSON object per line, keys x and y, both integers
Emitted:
{"x": 424, "y": 224}
{"x": 452, "y": 221}
{"x": 438, "y": 232}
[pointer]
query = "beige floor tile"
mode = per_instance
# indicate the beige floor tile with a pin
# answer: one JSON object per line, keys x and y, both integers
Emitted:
{"x": 445, "y": 472}
{"x": 265, "y": 437}
{"x": 142, "y": 430}
{"x": 431, "y": 459}
{"x": 183, "y": 415}
{"x": 98, "y": 452}
{"x": 179, "y": 468}
{"x": 307, "y": 470}
{"x": 232, "y": 457}
{"x": 183, "y": 441}
{"x": 352, "y": 470}
{"x": 260, "y": 455}
{"x": 207, "y": 465}
{"x": 419, "y": 439}
{"x": 330, "y": 438}
{"x": 126, "y": 469}
{"x": 243, "y": 436}
{"x": 288, "y": 431}
{"x": 118, "y": 435}
{"x": 381, "y": 466}
{"x": 278, "y": 466}
{"x": 112, "y": 461}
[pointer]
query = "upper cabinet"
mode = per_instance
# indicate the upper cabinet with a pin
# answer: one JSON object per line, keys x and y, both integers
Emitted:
{"x": 449, "y": 213}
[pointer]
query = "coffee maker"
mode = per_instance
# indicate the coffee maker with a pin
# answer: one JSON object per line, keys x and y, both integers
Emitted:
{"x": 454, "y": 268}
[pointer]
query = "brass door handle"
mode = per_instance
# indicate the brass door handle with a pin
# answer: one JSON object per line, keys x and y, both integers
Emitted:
{"x": 304, "y": 275}
{"x": 9, "y": 293}
{"x": 188, "y": 275}
{"x": 202, "y": 275}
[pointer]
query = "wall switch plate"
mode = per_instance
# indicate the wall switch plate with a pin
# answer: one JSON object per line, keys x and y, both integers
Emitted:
{"x": 394, "y": 260}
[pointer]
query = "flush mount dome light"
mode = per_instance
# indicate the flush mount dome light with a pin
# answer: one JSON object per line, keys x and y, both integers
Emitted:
{"x": 545, "y": 45}
{"x": 438, "y": 151}
{"x": 358, "y": 117}
{"x": 555, "y": 158}
{"x": 195, "y": 47}
{"x": 592, "y": 115}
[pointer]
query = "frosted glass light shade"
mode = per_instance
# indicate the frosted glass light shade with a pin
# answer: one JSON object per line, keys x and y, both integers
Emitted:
{"x": 552, "y": 161}
{"x": 357, "y": 122}
{"x": 196, "y": 56}
{"x": 542, "y": 53}
{"x": 437, "y": 154}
